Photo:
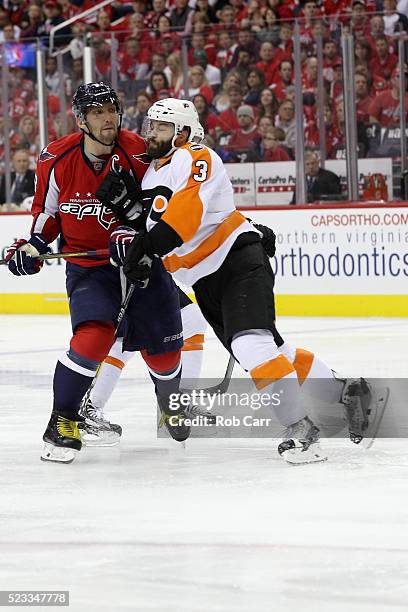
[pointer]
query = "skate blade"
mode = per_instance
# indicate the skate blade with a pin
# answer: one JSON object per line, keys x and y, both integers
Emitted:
{"x": 292, "y": 451}
{"x": 104, "y": 439}
{"x": 58, "y": 454}
{"x": 379, "y": 401}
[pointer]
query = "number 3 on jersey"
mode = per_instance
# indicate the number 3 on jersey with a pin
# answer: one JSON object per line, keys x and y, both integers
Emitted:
{"x": 202, "y": 170}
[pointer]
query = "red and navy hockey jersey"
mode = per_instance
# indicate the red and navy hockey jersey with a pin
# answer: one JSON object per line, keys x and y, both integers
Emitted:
{"x": 66, "y": 181}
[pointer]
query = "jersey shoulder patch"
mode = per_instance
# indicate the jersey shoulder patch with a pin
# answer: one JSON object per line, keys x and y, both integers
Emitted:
{"x": 59, "y": 147}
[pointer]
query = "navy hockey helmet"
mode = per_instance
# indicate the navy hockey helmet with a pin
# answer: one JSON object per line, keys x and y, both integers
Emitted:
{"x": 91, "y": 95}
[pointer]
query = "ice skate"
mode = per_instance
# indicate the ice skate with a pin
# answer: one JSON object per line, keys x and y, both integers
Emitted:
{"x": 364, "y": 409}
{"x": 62, "y": 440}
{"x": 301, "y": 443}
{"x": 96, "y": 430}
{"x": 173, "y": 420}
{"x": 195, "y": 412}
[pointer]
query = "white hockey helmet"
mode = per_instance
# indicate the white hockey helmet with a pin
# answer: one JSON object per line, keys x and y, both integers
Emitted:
{"x": 181, "y": 113}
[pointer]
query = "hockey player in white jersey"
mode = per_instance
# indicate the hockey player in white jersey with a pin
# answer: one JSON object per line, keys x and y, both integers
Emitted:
{"x": 207, "y": 244}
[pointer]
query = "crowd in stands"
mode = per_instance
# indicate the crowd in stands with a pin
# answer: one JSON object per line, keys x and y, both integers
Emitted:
{"x": 240, "y": 68}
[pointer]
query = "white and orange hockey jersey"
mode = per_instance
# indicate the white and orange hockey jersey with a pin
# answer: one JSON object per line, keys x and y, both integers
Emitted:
{"x": 191, "y": 192}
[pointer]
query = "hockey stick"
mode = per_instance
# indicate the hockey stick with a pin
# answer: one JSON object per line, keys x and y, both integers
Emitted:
{"x": 222, "y": 387}
{"x": 97, "y": 253}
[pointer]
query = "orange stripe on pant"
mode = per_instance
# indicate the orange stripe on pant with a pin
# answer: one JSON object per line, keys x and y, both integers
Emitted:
{"x": 271, "y": 371}
{"x": 194, "y": 343}
{"x": 115, "y": 362}
{"x": 302, "y": 364}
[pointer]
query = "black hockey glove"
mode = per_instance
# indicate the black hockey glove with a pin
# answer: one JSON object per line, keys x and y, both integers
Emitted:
{"x": 137, "y": 264}
{"x": 119, "y": 192}
{"x": 22, "y": 255}
{"x": 268, "y": 239}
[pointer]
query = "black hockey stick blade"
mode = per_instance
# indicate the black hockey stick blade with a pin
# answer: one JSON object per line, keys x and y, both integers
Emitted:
{"x": 222, "y": 387}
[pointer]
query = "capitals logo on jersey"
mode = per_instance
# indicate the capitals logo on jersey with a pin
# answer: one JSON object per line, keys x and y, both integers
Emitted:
{"x": 45, "y": 155}
{"x": 88, "y": 206}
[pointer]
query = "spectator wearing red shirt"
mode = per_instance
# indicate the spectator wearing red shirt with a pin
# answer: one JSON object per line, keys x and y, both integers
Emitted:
{"x": 358, "y": 20}
{"x": 227, "y": 120}
{"x": 286, "y": 39}
{"x": 208, "y": 120}
{"x": 103, "y": 22}
{"x": 308, "y": 14}
{"x": 283, "y": 80}
{"x": 16, "y": 10}
{"x": 272, "y": 148}
{"x": 385, "y": 107}
{"x": 269, "y": 60}
{"x": 245, "y": 136}
{"x": 102, "y": 58}
{"x": 363, "y": 100}
{"x": 134, "y": 62}
{"x": 383, "y": 62}
{"x": 138, "y": 31}
{"x": 330, "y": 56}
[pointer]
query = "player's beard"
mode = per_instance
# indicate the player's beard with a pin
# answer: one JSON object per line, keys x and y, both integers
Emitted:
{"x": 156, "y": 150}
{"x": 108, "y": 136}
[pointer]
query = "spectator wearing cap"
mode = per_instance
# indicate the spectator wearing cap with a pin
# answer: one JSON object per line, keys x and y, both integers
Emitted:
{"x": 53, "y": 17}
{"x": 385, "y": 107}
{"x": 212, "y": 74}
{"x": 383, "y": 62}
{"x": 134, "y": 62}
{"x": 393, "y": 20}
{"x": 358, "y": 20}
{"x": 245, "y": 136}
{"x": 181, "y": 16}
{"x": 22, "y": 179}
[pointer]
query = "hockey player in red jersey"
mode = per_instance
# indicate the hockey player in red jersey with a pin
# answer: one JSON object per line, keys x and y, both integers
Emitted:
{"x": 69, "y": 172}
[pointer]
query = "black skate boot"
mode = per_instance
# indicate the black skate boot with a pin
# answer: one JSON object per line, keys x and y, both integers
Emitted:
{"x": 356, "y": 397}
{"x": 173, "y": 420}
{"x": 301, "y": 443}
{"x": 95, "y": 429}
{"x": 62, "y": 440}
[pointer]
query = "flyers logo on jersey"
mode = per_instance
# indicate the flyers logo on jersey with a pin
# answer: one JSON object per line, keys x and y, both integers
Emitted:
{"x": 155, "y": 201}
{"x": 45, "y": 155}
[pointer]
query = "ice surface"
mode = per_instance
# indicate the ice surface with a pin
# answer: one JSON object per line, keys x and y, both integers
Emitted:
{"x": 223, "y": 525}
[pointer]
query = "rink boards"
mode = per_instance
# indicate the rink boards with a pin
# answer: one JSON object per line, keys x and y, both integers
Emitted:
{"x": 344, "y": 260}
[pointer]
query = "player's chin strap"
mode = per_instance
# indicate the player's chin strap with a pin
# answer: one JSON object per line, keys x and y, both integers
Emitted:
{"x": 89, "y": 133}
